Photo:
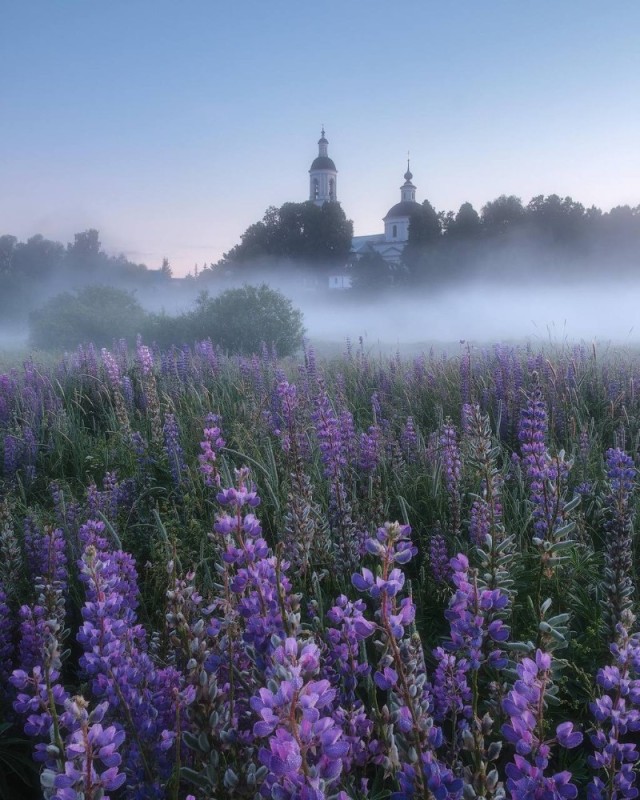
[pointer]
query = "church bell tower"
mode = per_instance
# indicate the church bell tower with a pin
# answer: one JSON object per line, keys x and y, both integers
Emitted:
{"x": 323, "y": 176}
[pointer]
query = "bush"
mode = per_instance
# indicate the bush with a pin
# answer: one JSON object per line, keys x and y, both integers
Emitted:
{"x": 240, "y": 320}
{"x": 97, "y": 314}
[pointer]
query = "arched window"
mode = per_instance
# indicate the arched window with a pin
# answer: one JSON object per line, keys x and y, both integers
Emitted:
{"x": 395, "y": 231}
{"x": 332, "y": 189}
{"x": 316, "y": 189}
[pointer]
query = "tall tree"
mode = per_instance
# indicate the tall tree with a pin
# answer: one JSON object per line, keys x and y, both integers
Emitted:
{"x": 466, "y": 223}
{"x": 502, "y": 214}
{"x": 425, "y": 233}
{"x": 296, "y": 232}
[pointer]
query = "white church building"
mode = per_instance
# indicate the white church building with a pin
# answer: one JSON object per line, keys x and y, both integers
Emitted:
{"x": 323, "y": 188}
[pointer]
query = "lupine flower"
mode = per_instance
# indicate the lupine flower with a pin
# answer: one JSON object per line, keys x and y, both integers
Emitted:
{"x": 305, "y": 744}
{"x": 173, "y": 449}
{"x": 618, "y": 581}
{"x": 329, "y": 437}
{"x": 617, "y": 715}
{"x": 91, "y": 764}
{"x": 7, "y": 647}
{"x": 524, "y": 705}
{"x": 451, "y": 470}
{"x": 409, "y": 439}
{"x": 439, "y": 559}
{"x": 211, "y": 444}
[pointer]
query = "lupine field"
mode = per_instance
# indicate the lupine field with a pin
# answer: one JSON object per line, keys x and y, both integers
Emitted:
{"x": 365, "y": 577}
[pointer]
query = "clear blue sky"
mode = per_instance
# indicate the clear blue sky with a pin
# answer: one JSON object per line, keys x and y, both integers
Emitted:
{"x": 171, "y": 126}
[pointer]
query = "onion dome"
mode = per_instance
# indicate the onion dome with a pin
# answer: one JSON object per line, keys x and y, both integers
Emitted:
{"x": 405, "y": 208}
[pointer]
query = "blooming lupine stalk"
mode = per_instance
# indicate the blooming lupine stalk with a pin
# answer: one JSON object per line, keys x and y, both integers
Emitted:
{"x": 331, "y": 442}
{"x": 304, "y": 748}
{"x": 401, "y": 672}
{"x": 476, "y": 633}
{"x": 117, "y": 663}
{"x": 7, "y": 646}
{"x": 617, "y": 714}
{"x": 211, "y": 444}
{"x": 618, "y": 580}
{"x": 173, "y": 449}
{"x": 525, "y": 706}
{"x": 439, "y": 558}
{"x": 89, "y": 764}
{"x": 451, "y": 472}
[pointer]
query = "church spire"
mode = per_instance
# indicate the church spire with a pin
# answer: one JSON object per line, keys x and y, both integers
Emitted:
{"x": 408, "y": 190}
{"x": 323, "y": 145}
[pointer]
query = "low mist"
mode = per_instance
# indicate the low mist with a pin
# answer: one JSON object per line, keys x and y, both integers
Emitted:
{"x": 481, "y": 311}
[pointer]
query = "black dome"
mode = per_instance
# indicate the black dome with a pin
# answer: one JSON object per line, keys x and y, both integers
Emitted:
{"x": 323, "y": 162}
{"x": 407, "y": 208}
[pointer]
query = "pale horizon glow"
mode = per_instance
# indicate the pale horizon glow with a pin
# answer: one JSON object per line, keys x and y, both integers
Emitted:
{"x": 171, "y": 128}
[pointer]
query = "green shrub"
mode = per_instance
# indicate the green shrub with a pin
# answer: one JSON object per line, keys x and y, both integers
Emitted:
{"x": 240, "y": 320}
{"x": 97, "y": 314}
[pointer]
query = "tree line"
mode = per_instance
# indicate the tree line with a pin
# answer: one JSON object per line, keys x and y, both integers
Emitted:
{"x": 33, "y": 270}
{"x": 551, "y": 236}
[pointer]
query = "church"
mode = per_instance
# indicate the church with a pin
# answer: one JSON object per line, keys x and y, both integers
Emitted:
{"x": 323, "y": 188}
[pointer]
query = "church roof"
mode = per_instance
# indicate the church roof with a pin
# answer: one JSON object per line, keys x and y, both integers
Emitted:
{"x": 323, "y": 162}
{"x": 406, "y": 208}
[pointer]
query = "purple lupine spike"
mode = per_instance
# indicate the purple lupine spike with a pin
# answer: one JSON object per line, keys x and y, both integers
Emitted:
{"x": 173, "y": 449}
{"x": 532, "y": 436}
{"x": 401, "y": 670}
{"x": 451, "y": 470}
{"x": 90, "y": 763}
{"x": 329, "y": 437}
{"x": 524, "y": 705}
{"x": 305, "y": 744}
{"x": 144, "y": 359}
{"x": 210, "y": 445}
{"x": 111, "y": 367}
{"x": 351, "y": 628}
{"x": 618, "y": 574}
{"x": 409, "y": 441}
{"x": 617, "y": 719}
{"x": 474, "y": 614}
{"x": 439, "y": 559}
{"x": 7, "y": 646}
{"x": 12, "y": 456}
{"x": 369, "y": 454}
{"x": 480, "y": 522}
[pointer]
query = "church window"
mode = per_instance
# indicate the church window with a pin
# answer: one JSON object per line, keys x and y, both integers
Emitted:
{"x": 395, "y": 231}
{"x": 332, "y": 189}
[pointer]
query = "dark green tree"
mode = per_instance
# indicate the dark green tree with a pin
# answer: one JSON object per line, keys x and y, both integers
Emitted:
{"x": 555, "y": 218}
{"x": 85, "y": 255}
{"x": 7, "y": 254}
{"x": 37, "y": 258}
{"x": 296, "y": 233}
{"x": 465, "y": 224}
{"x": 165, "y": 269}
{"x": 425, "y": 233}
{"x": 503, "y": 214}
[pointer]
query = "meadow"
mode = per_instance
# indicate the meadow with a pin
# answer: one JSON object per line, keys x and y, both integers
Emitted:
{"x": 353, "y": 577}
